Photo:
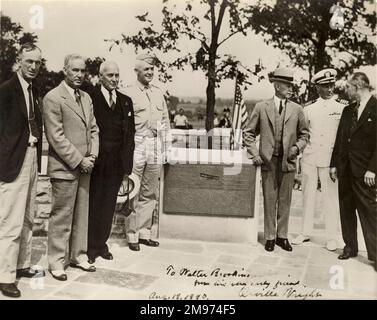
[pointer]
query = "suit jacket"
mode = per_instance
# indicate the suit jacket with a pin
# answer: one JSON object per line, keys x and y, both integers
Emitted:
{"x": 71, "y": 134}
{"x": 14, "y": 128}
{"x": 355, "y": 150}
{"x": 128, "y": 125}
{"x": 262, "y": 121}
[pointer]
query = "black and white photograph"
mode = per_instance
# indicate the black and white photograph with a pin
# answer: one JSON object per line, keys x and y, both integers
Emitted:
{"x": 188, "y": 150}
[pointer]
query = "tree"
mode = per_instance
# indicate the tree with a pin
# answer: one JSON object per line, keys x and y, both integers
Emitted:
{"x": 305, "y": 31}
{"x": 11, "y": 37}
{"x": 177, "y": 26}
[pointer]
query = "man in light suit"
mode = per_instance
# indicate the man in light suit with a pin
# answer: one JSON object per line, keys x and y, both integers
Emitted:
{"x": 72, "y": 133}
{"x": 323, "y": 118}
{"x": 115, "y": 118}
{"x": 283, "y": 135}
{"x": 354, "y": 163}
{"x": 20, "y": 159}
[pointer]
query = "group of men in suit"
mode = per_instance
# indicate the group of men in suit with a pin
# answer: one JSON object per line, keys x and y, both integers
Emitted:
{"x": 96, "y": 139}
{"x": 91, "y": 150}
{"x": 336, "y": 143}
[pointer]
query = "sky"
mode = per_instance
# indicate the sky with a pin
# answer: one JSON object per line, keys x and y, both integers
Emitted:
{"x": 65, "y": 27}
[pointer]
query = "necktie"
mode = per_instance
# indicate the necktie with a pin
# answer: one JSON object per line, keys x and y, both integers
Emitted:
{"x": 148, "y": 92}
{"x": 78, "y": 100}
{"x": 281, "y": 107}
{"x": 355, "y": 116}
{"x": 111, "y": 101}
{"x": 33, "y": 124}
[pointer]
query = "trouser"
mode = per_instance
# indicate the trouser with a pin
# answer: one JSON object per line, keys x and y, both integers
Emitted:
{"x": 147, "y": 167}
{"x": 17, "y": 210}
{"x": 68, "y": 223}
{"x": 330, "y": 203}
{"x": 277, "y": 196}
{"x": 354, "y": 195}
{"x": 105, "y": 181}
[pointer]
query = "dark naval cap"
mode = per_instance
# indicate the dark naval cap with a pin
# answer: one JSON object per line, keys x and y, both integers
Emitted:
{"x": 325, "y": 76}
{"x": 147, "y": 57}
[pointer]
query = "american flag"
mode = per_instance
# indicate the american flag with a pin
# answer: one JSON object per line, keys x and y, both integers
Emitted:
{"x": 240, "y": 116}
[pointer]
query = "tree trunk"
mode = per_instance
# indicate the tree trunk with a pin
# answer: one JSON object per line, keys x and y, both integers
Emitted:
{"x": 211, "y": 96}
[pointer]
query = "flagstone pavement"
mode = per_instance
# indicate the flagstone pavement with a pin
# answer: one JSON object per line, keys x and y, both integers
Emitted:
{"x": 180, "y": 269}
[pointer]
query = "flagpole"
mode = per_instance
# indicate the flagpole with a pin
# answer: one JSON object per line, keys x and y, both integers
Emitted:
{"x": 234, "y": 105}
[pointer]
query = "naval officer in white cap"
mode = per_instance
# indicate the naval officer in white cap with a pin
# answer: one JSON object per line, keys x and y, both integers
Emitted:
{"x": 323, "y": 118}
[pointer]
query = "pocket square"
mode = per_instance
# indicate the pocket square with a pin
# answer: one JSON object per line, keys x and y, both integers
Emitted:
{"x": 369, "y": 119}
{"x": 129, "y": 113}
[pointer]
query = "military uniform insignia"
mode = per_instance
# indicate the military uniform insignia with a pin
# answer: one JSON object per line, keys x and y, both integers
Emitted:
{"x": 342, "y": 101}
{"x": 310, "y": 102}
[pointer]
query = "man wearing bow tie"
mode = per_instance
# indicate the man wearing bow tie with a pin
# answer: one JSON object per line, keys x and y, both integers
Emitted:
{"x": 354, "y": 163}
{"x": 152, "y": 133}
{"x": 283, "y": 135}
{"x": 72, "y": 133}
{"x": 20, "y": 159}
{"x": 115, "y": 119}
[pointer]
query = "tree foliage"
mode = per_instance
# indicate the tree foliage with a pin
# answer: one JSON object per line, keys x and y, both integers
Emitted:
{"x": 11, "y": 37}
{"x": 304, "y": 31}
{"x": 178, "y": 26}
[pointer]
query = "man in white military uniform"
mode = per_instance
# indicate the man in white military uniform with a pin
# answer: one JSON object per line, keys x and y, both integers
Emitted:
{"x": 323, "y": 118}
{"x": 152, "y": 134}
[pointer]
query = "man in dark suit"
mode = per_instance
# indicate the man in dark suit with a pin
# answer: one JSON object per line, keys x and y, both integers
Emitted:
{"x": 115, "y": 119}
{"x": 354, "y": 162}
{"x": 20, "y": 157}
{"x": 283, "y": 135}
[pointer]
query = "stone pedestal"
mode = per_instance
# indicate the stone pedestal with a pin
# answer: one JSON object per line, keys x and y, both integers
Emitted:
{"x": 209, "y": 195}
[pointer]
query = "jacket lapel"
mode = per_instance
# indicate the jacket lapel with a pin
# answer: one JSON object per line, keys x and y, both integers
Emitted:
{"x": 70, "y": 102}
{"x": 270, "y": 110}
{"x": 288, "y": 111}
{"x": 19, "y": 95}
{"x": 365, "y": 115}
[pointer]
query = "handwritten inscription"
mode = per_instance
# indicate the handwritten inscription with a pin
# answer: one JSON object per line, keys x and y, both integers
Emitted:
{"x": 250, "y": 286}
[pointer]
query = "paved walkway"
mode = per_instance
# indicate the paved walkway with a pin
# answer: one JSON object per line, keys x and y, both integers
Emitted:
{"x": 198, "y": 270}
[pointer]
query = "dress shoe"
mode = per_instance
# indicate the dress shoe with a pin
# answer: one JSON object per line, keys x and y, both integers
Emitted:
{"x": 30, "y": 273}
{"x": 331, "y": 245}
{"x": 300, "y": 239}
{"x": 10, "y": 290}
{"x": 284, "y": 244}
{"x": 270, "y": 245}
{"x": 134, "y": 246}
{"x": 107, "y": 255}
{"x": 84, "y": 266}
{"x": 59, "y": 275}
{"x": 149, "y": 242}
{"x": 347, "y": 254}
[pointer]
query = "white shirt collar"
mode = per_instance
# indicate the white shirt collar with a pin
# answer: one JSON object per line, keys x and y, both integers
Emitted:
{"x": 143, "y": 86}
{"x": 363, "y": 104}
{"x": 70, "y": 90}
{"x": 24, "y": 83}
{"x": 277, "y": 102}
{"x": 325, "y": 102}
{"x": 106, "y": 94}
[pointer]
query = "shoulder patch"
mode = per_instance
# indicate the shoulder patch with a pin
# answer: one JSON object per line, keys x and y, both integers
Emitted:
{"x": 310, "y": 102}
{"x": 342, "y": 101}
